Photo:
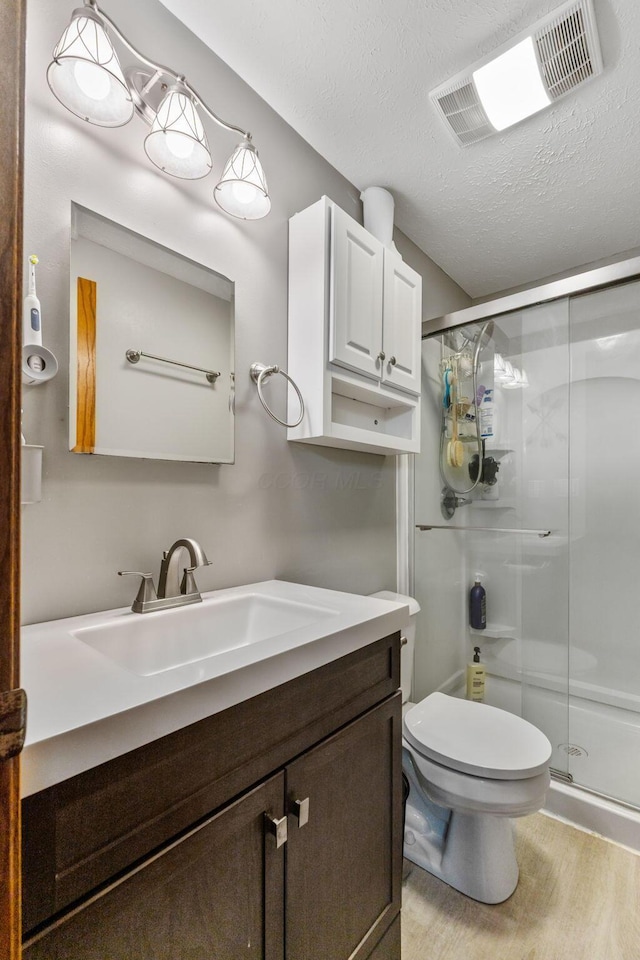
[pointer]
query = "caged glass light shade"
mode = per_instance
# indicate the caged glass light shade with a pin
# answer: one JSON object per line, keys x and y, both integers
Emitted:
{"x": 242, "y": 190}
{"x": 177, "y": 143}
{"x": 85, "y": 74}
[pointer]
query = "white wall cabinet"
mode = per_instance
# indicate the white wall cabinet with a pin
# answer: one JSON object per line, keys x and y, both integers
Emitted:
{"x": 356, "y": 302}
{"x": 355, "y": 311}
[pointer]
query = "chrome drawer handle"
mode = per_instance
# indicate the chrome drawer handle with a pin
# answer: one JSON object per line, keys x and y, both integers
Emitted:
{"x": 300, "y": 810}
{"x": 277, "y": 827}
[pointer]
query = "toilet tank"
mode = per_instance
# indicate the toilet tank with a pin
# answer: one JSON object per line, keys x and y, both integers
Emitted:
{"x": 407, "y": 651}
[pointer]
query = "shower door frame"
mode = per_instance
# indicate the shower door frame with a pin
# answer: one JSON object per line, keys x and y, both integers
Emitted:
{"x": 585, "y": 281}
{"x": 588, "y": 280}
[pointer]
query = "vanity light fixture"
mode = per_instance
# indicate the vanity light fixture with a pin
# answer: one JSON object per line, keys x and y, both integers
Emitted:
{"x": 522, "y": 77}
{"x": 86, "y": 77}
{"x": 243, "y": 186}
{"x": 177, "y": 143}
{"x": 85, "y": 74}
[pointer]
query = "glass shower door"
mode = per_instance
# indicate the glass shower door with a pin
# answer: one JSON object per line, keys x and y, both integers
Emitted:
{"x": 494, "y": 528}
{"x": 604, "y": 655}
{"x": 537, "y": 423}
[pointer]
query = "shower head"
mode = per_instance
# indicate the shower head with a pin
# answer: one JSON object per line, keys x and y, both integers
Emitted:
{"x": 475, "y": 338}
{"x": 486, "y": 328}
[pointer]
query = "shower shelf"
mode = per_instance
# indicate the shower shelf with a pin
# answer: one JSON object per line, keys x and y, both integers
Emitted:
{"x": 495, "y": 631}
{"x": 493, "y": 504}
{"x": 498, "y": 453}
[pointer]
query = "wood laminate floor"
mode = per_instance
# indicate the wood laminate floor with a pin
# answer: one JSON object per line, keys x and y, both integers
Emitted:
{"x": 578, "y": 899}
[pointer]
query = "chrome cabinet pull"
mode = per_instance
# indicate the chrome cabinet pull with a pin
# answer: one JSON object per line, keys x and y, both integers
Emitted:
{"x": 392, "y": 361}
{"x": 381, "y": 356}
{"x": 277, "y": 827}
{"x": 300, "y": 810}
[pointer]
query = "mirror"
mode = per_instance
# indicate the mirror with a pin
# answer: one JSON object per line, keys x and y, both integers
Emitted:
{"x": 152, "y": 348}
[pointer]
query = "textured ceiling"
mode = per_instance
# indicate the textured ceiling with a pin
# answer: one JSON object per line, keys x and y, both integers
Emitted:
{"x": 353, "y": 77}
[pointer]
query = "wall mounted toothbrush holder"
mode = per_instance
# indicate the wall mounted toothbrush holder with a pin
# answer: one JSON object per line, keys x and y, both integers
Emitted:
{"x": 38, "y": 364}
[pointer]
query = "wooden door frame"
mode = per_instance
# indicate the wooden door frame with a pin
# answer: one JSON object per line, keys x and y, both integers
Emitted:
{"x": 12, "y": 31}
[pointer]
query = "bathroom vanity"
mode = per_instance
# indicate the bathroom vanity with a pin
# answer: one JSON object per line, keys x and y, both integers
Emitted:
{"x": 270, "y": 828}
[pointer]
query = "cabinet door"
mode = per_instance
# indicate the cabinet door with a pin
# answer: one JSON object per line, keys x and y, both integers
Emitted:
{"x": 402, "y": 324}
{"x": 344, "y": 864}
{"x": 355, "y": 317}
{"x": 214, "y": 893}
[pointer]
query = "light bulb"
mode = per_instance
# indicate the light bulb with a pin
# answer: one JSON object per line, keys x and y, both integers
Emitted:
{"x": 92, "y": 79}
{"x": 179, "y": 145}
{"x": 244, "y": 192}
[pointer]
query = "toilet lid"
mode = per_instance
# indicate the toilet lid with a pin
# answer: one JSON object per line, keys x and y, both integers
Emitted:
{"x": 476, "y": 738}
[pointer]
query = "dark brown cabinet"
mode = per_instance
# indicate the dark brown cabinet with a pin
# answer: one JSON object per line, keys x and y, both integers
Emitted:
{"x": 222, "y": 888}
{"x": 214, "y": 893}
{"x": 343, "y": 871}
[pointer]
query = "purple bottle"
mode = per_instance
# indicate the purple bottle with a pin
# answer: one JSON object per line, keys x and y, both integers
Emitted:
{"x": 477, "y": 606}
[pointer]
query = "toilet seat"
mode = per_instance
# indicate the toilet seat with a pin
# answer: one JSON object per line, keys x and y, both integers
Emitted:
{"x": 471, "y": 794}
{"x": 476, "y": 740}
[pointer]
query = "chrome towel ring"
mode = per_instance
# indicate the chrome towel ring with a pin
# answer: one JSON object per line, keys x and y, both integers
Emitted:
{"x": 259, "y": 373}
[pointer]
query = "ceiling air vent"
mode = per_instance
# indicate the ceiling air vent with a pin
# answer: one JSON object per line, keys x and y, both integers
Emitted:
{"x": 568, "y": 49}
{"x": 461, "y": 108}
{"x": 565, "y": 54}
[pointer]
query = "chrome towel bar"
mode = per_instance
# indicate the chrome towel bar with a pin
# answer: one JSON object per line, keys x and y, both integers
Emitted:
{"x": 134, "y": 355}
{"x": 435, "y": 526}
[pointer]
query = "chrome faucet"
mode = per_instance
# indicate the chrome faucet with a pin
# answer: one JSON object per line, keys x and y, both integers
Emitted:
{"x": 169, "y": 584}
{"x": 173, "y": 591}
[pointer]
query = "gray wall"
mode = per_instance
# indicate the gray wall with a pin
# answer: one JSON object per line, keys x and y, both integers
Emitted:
{"x": 325, "y": 517}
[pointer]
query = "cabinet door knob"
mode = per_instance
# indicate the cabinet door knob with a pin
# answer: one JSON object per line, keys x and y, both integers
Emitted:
{"x": 300, "y": 809}
{"x": 392, "y": 361}
{"x": 277, "y": 827}
{"x": 381, "y": 356}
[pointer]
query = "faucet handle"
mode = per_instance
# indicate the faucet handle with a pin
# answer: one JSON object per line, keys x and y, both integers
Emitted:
{"x": 188, "y": 584}
{"x": 146, "y": 591}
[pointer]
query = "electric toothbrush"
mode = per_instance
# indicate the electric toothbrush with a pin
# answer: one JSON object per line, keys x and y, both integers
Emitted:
{"x": 38, "y": 363}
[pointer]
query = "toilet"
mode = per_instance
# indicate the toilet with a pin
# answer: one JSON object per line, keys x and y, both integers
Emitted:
{"x": 471, "y": 769}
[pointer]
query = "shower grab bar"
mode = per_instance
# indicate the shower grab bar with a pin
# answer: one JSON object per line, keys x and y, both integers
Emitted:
{"x": 435, "y": 526}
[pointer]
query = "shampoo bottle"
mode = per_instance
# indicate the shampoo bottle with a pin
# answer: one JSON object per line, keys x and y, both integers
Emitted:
{"x": 477, "y": 605}
{"x": 476, "y": 674}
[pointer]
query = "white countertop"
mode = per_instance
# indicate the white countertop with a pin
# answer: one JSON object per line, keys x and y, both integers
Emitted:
{"x": 85, "y": 709}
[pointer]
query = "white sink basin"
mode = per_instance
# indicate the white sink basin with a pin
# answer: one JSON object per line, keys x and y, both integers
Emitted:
{"x": 151, "y": 643}
{"x": 102, "y": 684}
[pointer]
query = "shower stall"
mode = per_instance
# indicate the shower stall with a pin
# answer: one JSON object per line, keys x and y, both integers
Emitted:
{"x": 528, "y": 479}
